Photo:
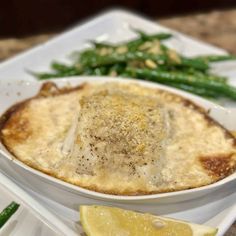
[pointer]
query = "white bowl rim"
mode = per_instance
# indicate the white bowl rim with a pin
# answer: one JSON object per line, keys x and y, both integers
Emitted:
{"x": 76, "y": 80}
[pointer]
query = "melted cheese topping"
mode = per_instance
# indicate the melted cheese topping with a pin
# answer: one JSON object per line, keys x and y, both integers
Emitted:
{"x": 121, "y": 134}
{"x": 121, "y": 139}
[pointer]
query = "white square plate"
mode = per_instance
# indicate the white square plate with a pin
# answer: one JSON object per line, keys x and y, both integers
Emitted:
{"x": 116, "y": 26}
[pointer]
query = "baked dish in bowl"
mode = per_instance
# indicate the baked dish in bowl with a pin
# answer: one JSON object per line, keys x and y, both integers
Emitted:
{"x": 117, "y": 137}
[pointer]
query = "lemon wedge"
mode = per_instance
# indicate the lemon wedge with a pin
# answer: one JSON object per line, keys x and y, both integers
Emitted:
{"x": 111, "y": 221}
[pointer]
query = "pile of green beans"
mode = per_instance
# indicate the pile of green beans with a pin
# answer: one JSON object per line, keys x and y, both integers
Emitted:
{"x": 147, "y": 58}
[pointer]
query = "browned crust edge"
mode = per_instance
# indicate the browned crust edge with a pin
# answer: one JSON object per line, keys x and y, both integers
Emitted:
{"x": 47, "y": 89}
{"x": 219, "y": 166}
{"x": 51, "y": 89}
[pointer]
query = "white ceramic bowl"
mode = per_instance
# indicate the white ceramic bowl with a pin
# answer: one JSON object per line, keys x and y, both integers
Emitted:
{"x": 71, "y": 195}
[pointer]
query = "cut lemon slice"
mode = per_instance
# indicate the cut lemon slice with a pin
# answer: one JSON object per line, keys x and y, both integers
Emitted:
{"x": 111, "y": 221}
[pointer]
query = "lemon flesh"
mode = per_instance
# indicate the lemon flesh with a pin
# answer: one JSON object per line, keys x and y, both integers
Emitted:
{"x": 111, "y": 221}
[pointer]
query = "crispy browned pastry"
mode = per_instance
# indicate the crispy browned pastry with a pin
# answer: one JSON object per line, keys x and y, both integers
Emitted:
{"x": 122, "y": 139}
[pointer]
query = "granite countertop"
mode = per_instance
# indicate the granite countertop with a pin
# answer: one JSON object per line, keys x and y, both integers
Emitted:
{"x": 216, "y": 27}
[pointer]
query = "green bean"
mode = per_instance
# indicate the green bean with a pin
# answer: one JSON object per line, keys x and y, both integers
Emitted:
{"x": 177, "y": 77}
{"x": 216, "y": 58}
{"x": 204, "y": 75}
{"x": 60, "y": 70}
{"x": 96, "y": 60}
{"x": 196, "y": 63}
{"x": 150, "y": 37}
{"x": 143, "y": 37}
{"x": 119, "y": 58}
{"x": 44, "y": 76}
{"x": 72, "y": 71}
{"x": 8, "y": 212}
{"x": 59, "y": 67}
{"x": 198, "y": 91}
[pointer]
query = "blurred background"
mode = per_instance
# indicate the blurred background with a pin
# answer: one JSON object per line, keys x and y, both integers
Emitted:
{"x": 25, "y": 23}
{"x": 27, "y": 17}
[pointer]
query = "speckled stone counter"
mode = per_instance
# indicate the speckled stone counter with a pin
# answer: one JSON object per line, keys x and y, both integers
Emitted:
{"x": 217, "y": 27}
